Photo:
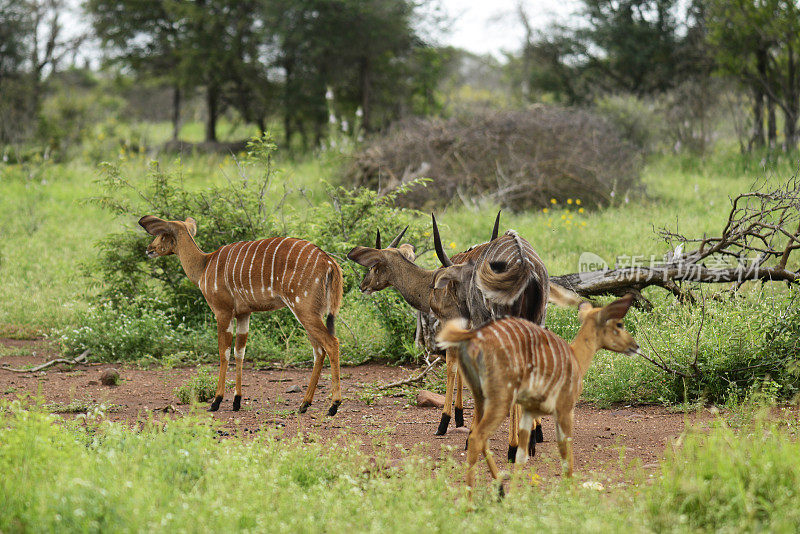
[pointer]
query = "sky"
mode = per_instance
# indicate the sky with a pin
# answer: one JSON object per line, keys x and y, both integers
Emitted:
{"x": 491, "y": 26}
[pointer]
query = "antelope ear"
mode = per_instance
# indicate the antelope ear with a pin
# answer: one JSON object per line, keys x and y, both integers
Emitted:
{"x": 454, "y": 273}
{"x": 155, "y": 226}
{"x": 407, "y": 251}
{"x": 617, "y": 309}
{"x": 365, "y": 256}
{"x": 583, "y": 310}
{"x": 191, "y": 225}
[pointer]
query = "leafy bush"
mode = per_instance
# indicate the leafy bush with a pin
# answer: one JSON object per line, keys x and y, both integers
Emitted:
{"x": 732, "y": 362}
{"x": 200, "y": 388}
{"x": 247, "y": 208}
{"x": 636, "y": 119}
{"x": 520, "y": 159}
{"x": 128, "y": 330}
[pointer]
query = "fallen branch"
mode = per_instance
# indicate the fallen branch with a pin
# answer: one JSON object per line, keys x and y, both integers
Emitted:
{"x": 78, "y": 359}
{"x": 411, "y": 380}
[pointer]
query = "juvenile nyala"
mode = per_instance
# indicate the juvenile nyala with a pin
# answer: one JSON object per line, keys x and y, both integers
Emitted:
{"x": 516, "y": 361}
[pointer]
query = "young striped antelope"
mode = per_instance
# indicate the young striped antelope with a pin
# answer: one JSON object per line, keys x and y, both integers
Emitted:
{"x": 251, "y": 276}
{"x": 516, "y": 361}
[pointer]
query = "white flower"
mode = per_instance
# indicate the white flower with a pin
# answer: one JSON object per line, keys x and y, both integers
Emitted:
{"x": 590, "y": 484}
{"x": 359, "y": 112}
{"x": 345, "y": 126}
{"x": 329, "y": 94}
{"x": 332, "y": 118}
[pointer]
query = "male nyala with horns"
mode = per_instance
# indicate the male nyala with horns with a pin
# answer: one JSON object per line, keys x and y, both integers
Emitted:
{"x": 253, "y": 276}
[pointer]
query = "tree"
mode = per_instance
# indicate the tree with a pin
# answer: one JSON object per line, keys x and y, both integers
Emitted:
{"x": 214, "y": 44}
{"x": 364, "y": 50}
{"x": 639, "y": 47}
{"x": 758, "y": 41}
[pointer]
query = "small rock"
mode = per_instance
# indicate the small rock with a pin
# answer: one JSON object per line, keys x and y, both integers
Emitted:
{"x": 460, "y": 430}
{"x": 429, "y": 399}
{"x": 294, "y": 389}
{"x": 110, "y": 377}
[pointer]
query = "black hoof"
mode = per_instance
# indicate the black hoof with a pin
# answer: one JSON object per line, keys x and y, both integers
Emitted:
{"x": 459, "y": 417}
{"x": 304, "y": 407}
{"x": 237, "y": 403}
{"x": 334, "y": 408}
{"x": 215, "y": 405}
{"x": 532, "y": 447}
{"x": 539, "y": 434}
{"x": 512, "y": 453}
{"x": 443, "y": 424}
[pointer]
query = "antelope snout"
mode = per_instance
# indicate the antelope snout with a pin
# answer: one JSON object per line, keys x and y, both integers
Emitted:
{"x": 151, "y": 253}
{"x": 633, "y": 349}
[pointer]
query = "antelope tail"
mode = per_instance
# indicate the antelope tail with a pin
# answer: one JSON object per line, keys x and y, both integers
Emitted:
{"x": 563, "y": 297}
{"x": 453, "y": 334}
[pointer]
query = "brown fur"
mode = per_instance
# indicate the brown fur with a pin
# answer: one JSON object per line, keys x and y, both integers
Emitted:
{"x": 252, "y": 276}
{"x": 514, "y": 361}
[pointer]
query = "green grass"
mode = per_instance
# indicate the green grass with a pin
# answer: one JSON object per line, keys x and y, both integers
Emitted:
{"x": 49, "y": 234}
{"x": 91, "y": 475}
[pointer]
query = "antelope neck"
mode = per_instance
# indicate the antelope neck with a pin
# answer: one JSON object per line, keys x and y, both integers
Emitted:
{"x": 414, "y": 284}
{"x": 193, "y": 260}
{"x": 585, "y": 345}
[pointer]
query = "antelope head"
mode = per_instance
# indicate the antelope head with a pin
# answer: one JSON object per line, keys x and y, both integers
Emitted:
{"x": 605, "y": 325}
{"x": 166, "y": 234}
{"x": 384, "y": 264}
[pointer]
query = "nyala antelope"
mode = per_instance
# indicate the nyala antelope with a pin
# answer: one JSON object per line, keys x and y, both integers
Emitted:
{"x": 394, "y": 266}
{"x": 514, "y": 361}
{"x": 506, "y": 278}
{"x": 252, "y": 276}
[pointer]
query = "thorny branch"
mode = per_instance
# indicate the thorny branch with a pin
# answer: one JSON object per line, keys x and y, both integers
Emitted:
{"x": 761, "y": 232}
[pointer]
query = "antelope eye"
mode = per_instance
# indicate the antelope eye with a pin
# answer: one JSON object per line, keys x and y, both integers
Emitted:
{"x": 619, "y": 325}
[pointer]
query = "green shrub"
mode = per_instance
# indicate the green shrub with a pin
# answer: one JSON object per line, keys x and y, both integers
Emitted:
{"x": 200, "y": 388}
{"x": 247, "y": 208}
{"x": 732, "y": 361}
{"x": 130, "y": 330}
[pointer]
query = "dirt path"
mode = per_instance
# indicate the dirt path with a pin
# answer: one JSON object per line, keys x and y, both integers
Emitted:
{"x": 606, "y": 441}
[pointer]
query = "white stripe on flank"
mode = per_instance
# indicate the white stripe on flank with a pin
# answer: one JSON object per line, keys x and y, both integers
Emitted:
{"x": 250, "y": 272}
{"x": 286, "y": 263}
{"x": 269, "y": 242}
{"x": 242, "y": 287}
{"x": 232, "y": 268}
{"x": 500, "y": 330}
{"x": 305, "y": 264}
{"x": 516, "y": 345}
{"x": 272, "y": 265}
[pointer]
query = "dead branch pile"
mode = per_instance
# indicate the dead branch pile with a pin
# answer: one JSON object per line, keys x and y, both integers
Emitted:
{"x": 757, "y": 242}
{"x": 519, "y": 159}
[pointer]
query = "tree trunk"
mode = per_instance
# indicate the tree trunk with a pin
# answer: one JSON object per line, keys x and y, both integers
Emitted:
{"x": 757, "y": 139}
{"x": 366, "y": 96}
{"x": 176, "y": 112}
{"x": 212, "y": 101}
{"x": 791, "y": 110}
{"x": 772, "y": 124}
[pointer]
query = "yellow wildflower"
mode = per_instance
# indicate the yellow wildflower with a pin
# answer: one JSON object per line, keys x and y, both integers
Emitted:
{"x": 569, "y": 201}
{"x": 545, "y": 210}
{"x": 552, "y": 201}
{"x": 452, "y": 244}
{"x": 578, "y": 201}
{"x": 580, "y": 210}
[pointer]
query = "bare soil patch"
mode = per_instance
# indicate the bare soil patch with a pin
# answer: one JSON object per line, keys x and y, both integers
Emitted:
{"x": 606, "y": 443}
